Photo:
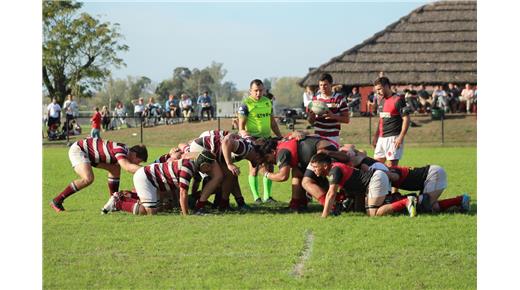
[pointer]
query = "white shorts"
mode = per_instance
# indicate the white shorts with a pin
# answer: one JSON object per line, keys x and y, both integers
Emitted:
{"x": 145, "y": 190}
{"x": 435, "y": 180}
{"x": 77, "y": 156}
{"x": 385, "y": 148}
{"x": 379, "y": 185}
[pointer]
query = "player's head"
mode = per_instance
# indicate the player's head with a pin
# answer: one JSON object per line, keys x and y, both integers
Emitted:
{"x": 325, "y": 83}
{"x": 256, "y": 88}
{"x": 268, "y": 150}
{"x": 205, "y": 161}
{"x": 383, "y": 87}
{"x": 321, "y": 164}
{"x": 138, "y": 154}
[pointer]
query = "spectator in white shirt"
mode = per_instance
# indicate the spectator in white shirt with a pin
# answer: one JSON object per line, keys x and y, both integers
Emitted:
{"x": 468, "y": 95}
{"x": 53, "y": 113}
{"x": 71, "y": 108}
{"x": 186, "y": 106}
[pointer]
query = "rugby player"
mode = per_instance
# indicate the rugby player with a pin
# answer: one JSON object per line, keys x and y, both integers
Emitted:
{"x": 374, "y": 183}
{"x": 164, "y": 177}
{"x": 108, "y": 155}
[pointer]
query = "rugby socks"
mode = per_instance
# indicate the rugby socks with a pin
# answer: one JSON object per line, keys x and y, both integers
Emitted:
{"x": 398, "y": 206}
{"x": 253, "y": 184}
{"x": 268, "y": 184}
{"x": 447, "y": 203}
{"x": 69, "y": 190}
{"x": 127, "y": 204}
{"x": 321, "y": 199}
{"x": 240, "y": 200}
{"x": 113, "y": 185}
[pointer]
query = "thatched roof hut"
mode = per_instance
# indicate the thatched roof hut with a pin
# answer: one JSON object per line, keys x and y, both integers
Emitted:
{"x": 434, "y": 44}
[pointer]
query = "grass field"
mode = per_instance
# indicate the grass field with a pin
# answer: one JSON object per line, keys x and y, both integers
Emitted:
{"x": 82, "y": 249}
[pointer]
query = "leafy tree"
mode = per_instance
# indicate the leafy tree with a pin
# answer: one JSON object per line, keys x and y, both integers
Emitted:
{"x": 287, "y": 91}
{"x": 78, "y": 50}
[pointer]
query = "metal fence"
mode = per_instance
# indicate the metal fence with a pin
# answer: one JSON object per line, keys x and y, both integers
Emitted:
{"x": 450, "y": 129}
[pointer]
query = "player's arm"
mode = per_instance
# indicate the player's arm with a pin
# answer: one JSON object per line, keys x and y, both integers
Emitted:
{"x": 243, "y": 112}
{"x": 274, "y": 127}
{"x": 376, "y": 134}
{"x": 331, "y": 197}
{"x": 281, "y": 175}
{"x": 230, "y": 145}
{"x": 183, "y": 200}
{"x": 312, "y": 187}
{"x": 128, "y": 166}
{"x": 405, "y": 113}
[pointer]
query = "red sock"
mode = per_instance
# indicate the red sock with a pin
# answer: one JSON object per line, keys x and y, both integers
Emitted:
{"x": 200, "y": 204}
{"x": 447, "y": 203}
{"x": 321, "y": 199}
{"x": 69, "y": 190}
{"x": 399, "y": 205}
{"x": 113, "y": 185}
{"x": 127, "y": 204}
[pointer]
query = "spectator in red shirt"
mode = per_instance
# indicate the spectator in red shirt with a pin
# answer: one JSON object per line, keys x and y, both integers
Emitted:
{"x": 96, "y": 123}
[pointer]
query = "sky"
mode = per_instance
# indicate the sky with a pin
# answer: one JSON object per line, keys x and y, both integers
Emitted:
{"x": 251, "y": 39}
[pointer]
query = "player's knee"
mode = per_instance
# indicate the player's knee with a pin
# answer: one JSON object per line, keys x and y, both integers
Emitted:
{"x": 147, "y": 207}
{"x": 87, "y": 180}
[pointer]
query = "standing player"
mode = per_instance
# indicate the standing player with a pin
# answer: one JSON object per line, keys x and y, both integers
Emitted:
{"x": 393, "y": 124}
{"x": 104, "y": 154}
{"x": 329, "y": 124}
{"x": 166, "y": 176}
{"x": 256, "y": 119}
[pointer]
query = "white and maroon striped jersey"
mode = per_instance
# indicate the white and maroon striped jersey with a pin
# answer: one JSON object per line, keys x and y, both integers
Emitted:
{"x": 170, "y": 175}
{"x": 245, "y": 146}
{"x": 221, "y": 133}
{"x": 337, "y": 104}
{"x": 212, "y": 143}
{"x": 103, "y": 151}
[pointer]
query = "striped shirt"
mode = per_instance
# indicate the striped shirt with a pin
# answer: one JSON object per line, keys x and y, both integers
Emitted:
{"x": 162, "y": 158}
{"x": 170, "y": 175}
{"x": 337, "y": 104}
{"x": 213, "y": 143}
{"x": 221, "y": 133}
{"x": 103, "y": 151}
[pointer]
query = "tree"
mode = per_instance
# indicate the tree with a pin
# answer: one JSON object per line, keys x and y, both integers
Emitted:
{"x": 287, "y": 91}
{"x": 78, "y": 50}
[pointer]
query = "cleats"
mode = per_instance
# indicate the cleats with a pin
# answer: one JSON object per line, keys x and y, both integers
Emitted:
{"x": 110, "y": 206}
{"x": 57, "y": 206}
{"x": 270, "y": 200}
{"x": 258, "y": 201}
{"x": 244, "y": 207}
{"x": 411, "y": 206}
{"x": 465, "y": 204}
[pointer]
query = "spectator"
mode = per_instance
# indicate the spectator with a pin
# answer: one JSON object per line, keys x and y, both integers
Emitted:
{"x": 53, "y": 115}
{"x": 372, "y": 103}
{"x": 171, "y": 107}
{"x": 307, "y": 96}
{"x": 105, "y": 118}
{"x": 186, "y": 106}
{"x": 271, "y": 97}
{"x": 453, "y": 97}
{"x": 467, "y": 96}
{"x": 71, "y": 108}
{"x": 440, "y": 98}
{"x": 410, "y": 96}
{"x": 95, "y": 120}
{"x": 353, "y": 101}
{"x": 153, "y": 110}
{"x": 120, "y": 113}
{"x": 424, "y": 99}
{"x": 138, "y": 111}
{"x": 204, "y": 102}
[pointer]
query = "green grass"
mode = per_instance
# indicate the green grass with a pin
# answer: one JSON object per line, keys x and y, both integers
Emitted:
{"x": 82, "y": 249}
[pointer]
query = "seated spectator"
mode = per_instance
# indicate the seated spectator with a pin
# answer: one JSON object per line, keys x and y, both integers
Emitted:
{"x": 410, "y": 96}
{"x": 467, "y": 97}
{"x": 440, "y": 98}
{"x": 204, "y": 102}
{"x": 372, "y": 103}
{"x": 424, "y": 99}
{"x": 186, "y": 107}
{"x": 138, "y": 111}
{"x": 453, "y": 97}
{"x": 353, "y": 101}
{"x": 171, "y": 107}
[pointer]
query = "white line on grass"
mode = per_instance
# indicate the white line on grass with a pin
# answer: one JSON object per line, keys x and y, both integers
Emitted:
{"x": 306, "y": 254}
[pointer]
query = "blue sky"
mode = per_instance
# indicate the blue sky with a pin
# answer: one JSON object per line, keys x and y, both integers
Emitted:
{"x": 252, "y": 40}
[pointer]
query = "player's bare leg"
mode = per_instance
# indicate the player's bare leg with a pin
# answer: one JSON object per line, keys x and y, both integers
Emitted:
{"x": 114, "y": 173}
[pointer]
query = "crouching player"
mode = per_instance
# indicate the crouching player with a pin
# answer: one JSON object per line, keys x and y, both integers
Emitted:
{"x": 292, "y": 157}
{"x": 430, "y": 181}
{"x": 108, "y": 155}
{"x": 374, "y": 183}
{"x": 165, "y": 177}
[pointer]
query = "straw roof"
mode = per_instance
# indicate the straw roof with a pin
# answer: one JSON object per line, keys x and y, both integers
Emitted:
{"x": 436, "y": 43}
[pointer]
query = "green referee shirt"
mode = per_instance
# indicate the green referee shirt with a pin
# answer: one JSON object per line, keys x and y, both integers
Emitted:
{"x": 258, "y": 114}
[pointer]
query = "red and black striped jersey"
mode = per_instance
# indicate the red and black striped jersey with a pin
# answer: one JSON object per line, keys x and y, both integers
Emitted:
{"x": 410, "y": 178}
{"x": 337, "y": 104}
{"x": 170, "y": 175}
{"x": 103, "y": 151}
{"x": 391, "y": 112}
